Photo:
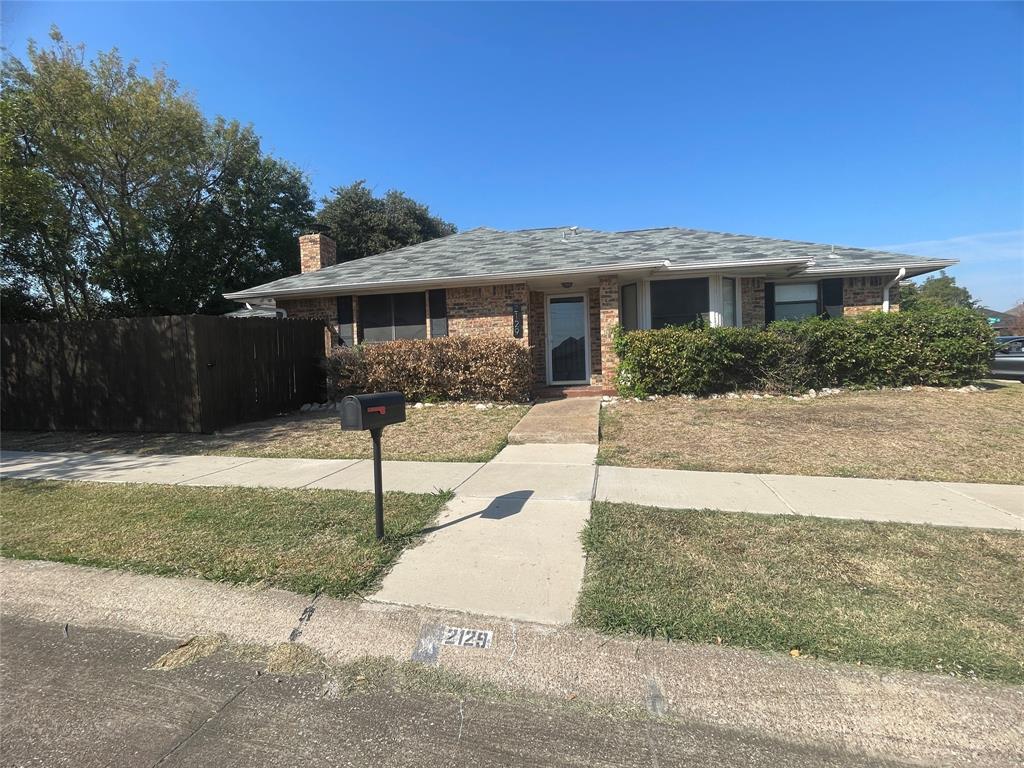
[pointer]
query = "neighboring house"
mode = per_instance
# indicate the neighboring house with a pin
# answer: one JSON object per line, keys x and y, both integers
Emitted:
{"x": 563, "y": 290}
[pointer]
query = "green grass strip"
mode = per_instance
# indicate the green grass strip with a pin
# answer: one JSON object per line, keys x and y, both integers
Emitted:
{"x": 918, "y": 597}
{"x": 302, "y": 540}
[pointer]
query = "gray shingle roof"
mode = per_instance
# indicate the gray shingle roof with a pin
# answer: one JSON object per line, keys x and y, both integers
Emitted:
{"x": 483, "y": 252}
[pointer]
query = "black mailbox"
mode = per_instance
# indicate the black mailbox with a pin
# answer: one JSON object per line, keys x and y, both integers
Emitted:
{"x": 372, "y": 411}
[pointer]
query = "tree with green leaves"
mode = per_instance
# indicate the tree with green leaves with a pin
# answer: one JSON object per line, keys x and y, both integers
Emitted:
{"x": 363, "y": 224}
{"x": 935, "y": 292}
{"x": 118, "y": 197}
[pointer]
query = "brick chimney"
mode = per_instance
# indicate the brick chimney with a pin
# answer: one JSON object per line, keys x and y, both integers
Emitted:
{"x": 316, "y": 251}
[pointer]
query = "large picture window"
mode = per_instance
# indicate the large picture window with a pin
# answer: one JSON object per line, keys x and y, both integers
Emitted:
{"x": 678, "y": 302}
{"x": 389, "y": 316}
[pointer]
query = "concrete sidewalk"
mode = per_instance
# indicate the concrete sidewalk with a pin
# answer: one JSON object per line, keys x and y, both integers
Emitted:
{"x": 975, "y": 505}
{"x": 508, "y": 544}
{"x": 893, "y": 715}
{"x": 561, "y": 473}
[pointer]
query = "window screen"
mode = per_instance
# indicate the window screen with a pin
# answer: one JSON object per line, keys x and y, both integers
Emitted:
{"x": 344, "y": 308}
{"x": 832, "y": 296}
{"x": 410, "y": 313}
{"x": 375, "y": 318}
{"x": 729, "y": 317}
{"x": 438, "y": 312}
{"x": 796, "y": 301}
{"x": 678, "y": 302}
{"x": 628, "y": 316}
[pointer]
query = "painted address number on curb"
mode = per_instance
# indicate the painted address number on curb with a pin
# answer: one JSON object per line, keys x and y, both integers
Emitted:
{"x": 467, "y": 638}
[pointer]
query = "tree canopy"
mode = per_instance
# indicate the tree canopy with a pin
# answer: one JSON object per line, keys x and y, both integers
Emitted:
{"x": 936, "y": 291}
{"x": 363, "y": 224}
{"x": 119, "y": 197}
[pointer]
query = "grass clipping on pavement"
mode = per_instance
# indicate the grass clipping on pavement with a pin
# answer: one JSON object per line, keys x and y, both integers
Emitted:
{"x": 918, "y": 597}
{"x": 302, "y": 540}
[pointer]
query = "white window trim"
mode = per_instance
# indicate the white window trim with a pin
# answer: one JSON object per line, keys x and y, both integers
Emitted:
{"x": 547, "y": 338}
{"x": 715, "y": 304}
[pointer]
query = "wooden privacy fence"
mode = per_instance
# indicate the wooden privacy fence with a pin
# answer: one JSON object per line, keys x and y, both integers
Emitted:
{"x": 188, "y": 373}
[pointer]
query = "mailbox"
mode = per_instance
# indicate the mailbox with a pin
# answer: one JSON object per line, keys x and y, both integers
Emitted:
{"x": 373, "y": 411}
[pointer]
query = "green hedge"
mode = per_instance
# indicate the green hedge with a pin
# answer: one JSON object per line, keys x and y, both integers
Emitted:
{"x": 948, "y": 347}
{"x": 443, "y": 368}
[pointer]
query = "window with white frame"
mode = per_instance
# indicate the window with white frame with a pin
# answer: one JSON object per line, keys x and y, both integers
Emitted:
{"x": 730, "y": 308}
{"x": 795, "y": 301}
{"x": 679, "y": 302}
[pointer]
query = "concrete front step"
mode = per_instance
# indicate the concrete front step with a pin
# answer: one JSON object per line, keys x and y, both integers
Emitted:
{"x": 572, "y": 420}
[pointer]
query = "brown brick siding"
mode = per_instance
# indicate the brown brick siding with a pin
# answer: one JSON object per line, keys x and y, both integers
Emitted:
{"x": 752, "y": 296}
{"x": 316, "y": 252}
{"x": 864, "y": 294}
{"x": 609, "y": 301}
{"x": 321, "y": 307}
{"x": 486, "y": 309}
{"x": 594, "y": 304}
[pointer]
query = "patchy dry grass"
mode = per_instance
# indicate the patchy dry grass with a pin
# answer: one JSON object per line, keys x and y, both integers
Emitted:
{"x": 305, "y": 541}
{"x": 912, "y": 435}
{"x": 917, "y": 597}
{"x": 450, "y": 432}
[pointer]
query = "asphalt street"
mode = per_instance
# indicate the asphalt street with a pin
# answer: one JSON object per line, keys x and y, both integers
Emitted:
{"x": 90, "y": 697}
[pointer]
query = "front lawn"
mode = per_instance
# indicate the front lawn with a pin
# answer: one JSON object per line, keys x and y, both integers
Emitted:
{"x": 896, "y": 434}
{"x": 918, "y": 597}
{"x": 305, "y": 541}
{"x": 449, "y": 432}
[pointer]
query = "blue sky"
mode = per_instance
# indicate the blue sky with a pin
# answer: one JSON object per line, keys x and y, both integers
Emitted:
{"x": 898, "y": 125}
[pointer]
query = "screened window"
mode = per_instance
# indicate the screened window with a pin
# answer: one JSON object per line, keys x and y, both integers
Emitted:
{"x": 678, "y": 302}
{"x": 729, "y": 317}
{"x": 795, "y": 301}
{"x": 344, "y": 307}
{"x": 389, "y": 316}
{"x": 438, "y": 312}
{"x": 628, "y": 313}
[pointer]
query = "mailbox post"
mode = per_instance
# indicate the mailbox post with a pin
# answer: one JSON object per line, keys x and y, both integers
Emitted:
{"x": 372, "y": 413}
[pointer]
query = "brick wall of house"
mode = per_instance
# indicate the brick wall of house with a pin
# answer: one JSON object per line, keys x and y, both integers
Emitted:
{"x": 321, "y": 307}
{"x": 594, "y": 303}
{"x": 609, "y": 303}
{"x": 487, "y": 309}
{"x": 864, "y": 294}
{"x": 537, "y": 340}
{"x": 752, "y": 296}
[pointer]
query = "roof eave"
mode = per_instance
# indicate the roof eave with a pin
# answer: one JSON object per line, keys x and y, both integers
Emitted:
{"x": 437, "y": 282}
{"x": 913, "y": 268}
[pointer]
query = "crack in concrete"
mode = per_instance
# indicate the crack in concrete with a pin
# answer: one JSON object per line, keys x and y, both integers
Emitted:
{"x": 304, "y": 619}
{"x": 195, "y": 732}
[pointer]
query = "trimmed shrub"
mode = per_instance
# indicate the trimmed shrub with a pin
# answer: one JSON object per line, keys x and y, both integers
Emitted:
{"x": 948, "y": 347}
{"x": 444, "y": 368}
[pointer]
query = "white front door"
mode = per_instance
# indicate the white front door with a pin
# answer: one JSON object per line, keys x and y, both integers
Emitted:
{"x": 568, "y": 339}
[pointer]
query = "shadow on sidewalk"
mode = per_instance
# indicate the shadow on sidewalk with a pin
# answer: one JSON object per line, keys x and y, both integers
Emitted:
{"x": 499, "y": 508}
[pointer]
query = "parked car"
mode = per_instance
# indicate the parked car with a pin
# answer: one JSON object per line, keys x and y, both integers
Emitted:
{"x": 1008, "y": 361}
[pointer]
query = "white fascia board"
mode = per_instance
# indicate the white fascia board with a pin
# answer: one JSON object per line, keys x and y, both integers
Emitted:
{"x": 439, "y": 282}
{"x": 913, "y": 268}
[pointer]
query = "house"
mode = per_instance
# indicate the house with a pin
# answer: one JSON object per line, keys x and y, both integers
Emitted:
{"x": 562, "y": 290}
